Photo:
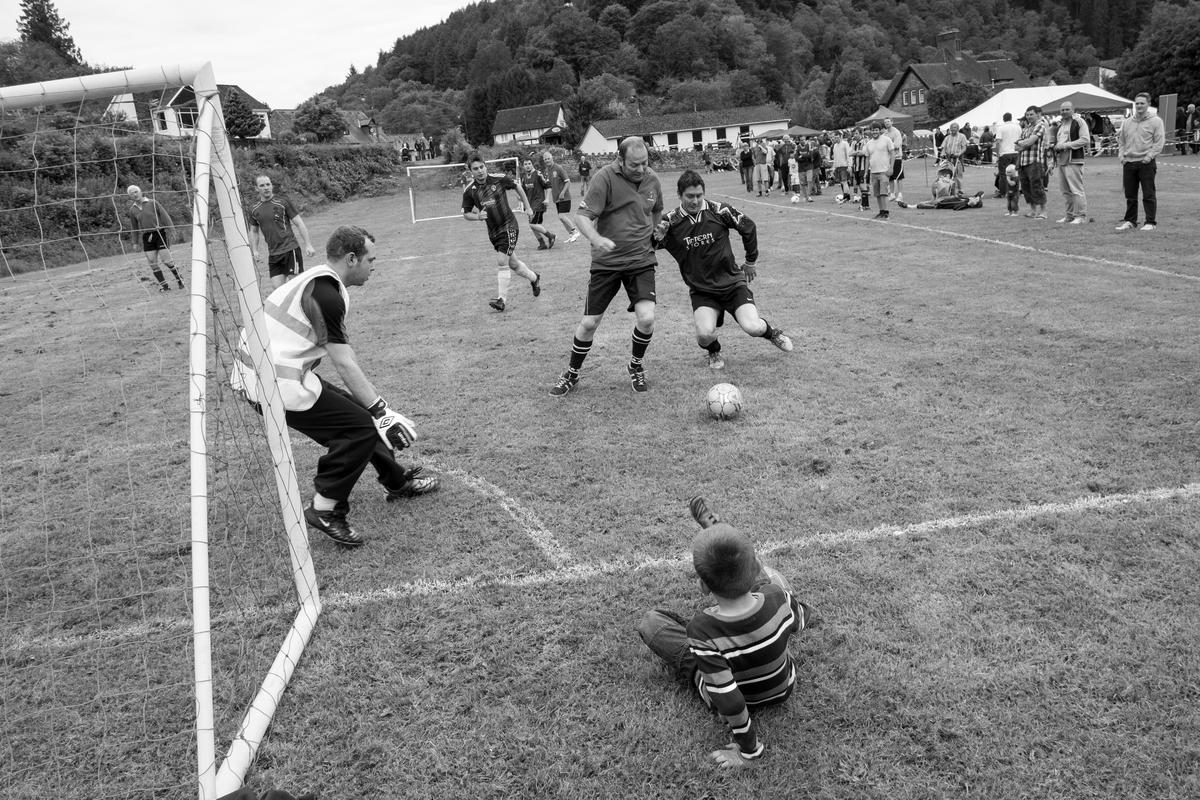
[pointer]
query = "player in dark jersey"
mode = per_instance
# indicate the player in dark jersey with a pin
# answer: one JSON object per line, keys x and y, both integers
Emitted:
{"x": 535, "y": 186}
{"x": 696, "y": 233}
{"x": 489, "y": 194}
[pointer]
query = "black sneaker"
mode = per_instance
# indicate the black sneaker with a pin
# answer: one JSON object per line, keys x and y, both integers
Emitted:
{"x": 162, "y": 287}
{"x": 701, "y": 512}
{"x": 566, "y": 382}
{"x": 551, "y": 237}
{"x": 415, "y": 485}
{"x": 536, "y": 286}
{"x": 497, "y": 303}
{"x": 542, "y": 245}
{"x": 637, "y": 378}
{"x": 333, "y": 524}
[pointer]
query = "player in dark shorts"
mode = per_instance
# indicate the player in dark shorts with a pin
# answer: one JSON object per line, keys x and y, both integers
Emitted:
{"x": 585, "y": 173}
{"x": 696, "y": 233}
{"x": 617, "y": 215}
{"x": 535, "y": 186}
{"x": 560, "y": 194}
{"x": 274, "y": 217}
{"x": 489, "y": 194}
{"x": 153, "y": 224}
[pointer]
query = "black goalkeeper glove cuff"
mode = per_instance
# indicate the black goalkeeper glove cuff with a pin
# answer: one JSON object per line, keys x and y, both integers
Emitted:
{"x": 378, "y": 408}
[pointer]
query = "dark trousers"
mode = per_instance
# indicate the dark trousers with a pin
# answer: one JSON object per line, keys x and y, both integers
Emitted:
{"x": 1135, "y": 175}
{"x": 1002, "y": 165}
{"x": 748, "y": 177}
{"x": 338, "y": 422}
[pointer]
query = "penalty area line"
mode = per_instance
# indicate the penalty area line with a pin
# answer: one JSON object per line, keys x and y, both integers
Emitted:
{"x": 1108, "y": 262}
{"x": 579, "y": 573}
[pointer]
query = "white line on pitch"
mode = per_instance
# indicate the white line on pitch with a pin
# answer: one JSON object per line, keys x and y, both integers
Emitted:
{"x": 526, "y": 519}
{"x": 1000, "y": 242}
{"x": 584, "y": 572}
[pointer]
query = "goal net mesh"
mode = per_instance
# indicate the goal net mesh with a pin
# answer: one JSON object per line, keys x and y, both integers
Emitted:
{"x": 97, "y": 684}
{"x": 435, "y": 191}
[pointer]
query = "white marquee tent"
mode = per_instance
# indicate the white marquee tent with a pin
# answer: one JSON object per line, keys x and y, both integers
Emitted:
{"x": 1084, "y": 96}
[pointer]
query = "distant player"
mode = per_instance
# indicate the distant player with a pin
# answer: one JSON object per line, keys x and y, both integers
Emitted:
{"x": 696, "y": 234}
{"x": 486, "y": 198}
{"x": 152, "y": 222}
{"x": 535, "y": 186}
{"x": 273, "y": 219}
{"x": 560, "y": 194}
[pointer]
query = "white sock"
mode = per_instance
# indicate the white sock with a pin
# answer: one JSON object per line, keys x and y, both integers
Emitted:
{"x": 502, "y": 278}
{"x": 323, "y": 503}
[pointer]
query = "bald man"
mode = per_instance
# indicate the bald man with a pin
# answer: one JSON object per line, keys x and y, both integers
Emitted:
{"x": 152, "y": 222}
{"x": 618, "y": 214}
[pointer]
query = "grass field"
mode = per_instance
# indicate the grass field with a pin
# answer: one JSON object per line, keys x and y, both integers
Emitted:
{"x": 980, "y": 466}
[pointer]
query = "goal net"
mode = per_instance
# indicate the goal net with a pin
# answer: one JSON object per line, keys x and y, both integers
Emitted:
{"x": 435, "y": 191}
{"x": 146, "y": 512}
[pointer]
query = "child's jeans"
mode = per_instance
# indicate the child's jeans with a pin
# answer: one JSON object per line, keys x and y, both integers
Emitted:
{"x": 1014, "y": 195}
{"x": 664, "y": 632}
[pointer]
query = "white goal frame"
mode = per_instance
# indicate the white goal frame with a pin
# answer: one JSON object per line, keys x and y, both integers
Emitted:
{"x": 214, "y": 174}
{"x": 412, "y": 201}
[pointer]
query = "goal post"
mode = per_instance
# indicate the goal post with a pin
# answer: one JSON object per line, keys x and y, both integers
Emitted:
{"x": 97, "y": 623}
{"x": 435, "y": 190}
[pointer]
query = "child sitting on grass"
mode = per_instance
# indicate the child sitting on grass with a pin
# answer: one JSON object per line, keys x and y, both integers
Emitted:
{"x": 736, "y": 652}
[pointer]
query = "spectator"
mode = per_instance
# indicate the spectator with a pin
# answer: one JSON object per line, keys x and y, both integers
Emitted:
{"x": 1071, "y": 139}
{"x": 1031, "y": 162}
{"x": 1138, "y": 145}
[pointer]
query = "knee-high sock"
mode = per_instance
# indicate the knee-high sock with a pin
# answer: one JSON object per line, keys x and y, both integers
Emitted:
{"x": 579, "y": 351}
{"x": 640, "y": 342}
{"x": 503, "y": 277}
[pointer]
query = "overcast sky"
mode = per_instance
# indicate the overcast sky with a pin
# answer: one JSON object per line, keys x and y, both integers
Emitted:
{"x": 280, "y": 51}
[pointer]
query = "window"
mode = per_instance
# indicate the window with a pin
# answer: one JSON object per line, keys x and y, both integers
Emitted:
{"x": 672, "y": 141}
{"x": 922, "y": 96}
{"x": 904, "y": 98}
{"x": 720, "y": 133}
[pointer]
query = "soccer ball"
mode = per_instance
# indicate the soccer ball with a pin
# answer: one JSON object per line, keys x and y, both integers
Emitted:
{"x": 795, "y": 198}
{"x": 724, "y": 401}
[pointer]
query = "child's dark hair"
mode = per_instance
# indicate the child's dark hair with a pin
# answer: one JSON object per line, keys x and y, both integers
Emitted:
{"x": 725, "y": 560}
{"x": 688, "y": 179}
{"x": 476, "y": 156}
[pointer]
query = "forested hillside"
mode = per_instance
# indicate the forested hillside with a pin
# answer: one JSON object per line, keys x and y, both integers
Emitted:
{"x": 610, "y": 57}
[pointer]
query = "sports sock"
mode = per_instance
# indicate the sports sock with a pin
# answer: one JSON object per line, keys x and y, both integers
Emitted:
{"x": 769, "y": 332}
{"x": 714, "y": 346}
{"x": 503, "y": 277}
{"x": 640, "y": 342}
{"x": 323, "y": 503}
{"x": 158, "y": 276}
{"x": 579, "y": 351}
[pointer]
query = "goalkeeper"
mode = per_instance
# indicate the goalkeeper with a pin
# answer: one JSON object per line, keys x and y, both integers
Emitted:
{"x": 696, "y": 233}
{"x": 306, "y": 322}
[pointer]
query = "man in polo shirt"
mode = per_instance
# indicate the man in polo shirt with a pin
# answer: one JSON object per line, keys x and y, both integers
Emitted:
{"x": 560, "y": 194}
{"x": 618, "y": 214}
{"x": 272, "y": 219}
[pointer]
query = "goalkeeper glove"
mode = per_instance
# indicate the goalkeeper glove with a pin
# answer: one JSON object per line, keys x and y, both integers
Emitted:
{"x": 751, "y": 271}
{"x": 396, "y": 430}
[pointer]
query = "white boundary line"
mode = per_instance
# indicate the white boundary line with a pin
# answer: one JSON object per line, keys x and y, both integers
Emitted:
{"x": 530, "y": 525}
{"x": 584, "y": 572}
{"x": 972, "y": 238}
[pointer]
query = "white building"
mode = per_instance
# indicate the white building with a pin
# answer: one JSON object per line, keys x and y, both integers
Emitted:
{"x": 530, "y": 125}
{"x": 177, "y": 115}
{"x": 692, "y": 130}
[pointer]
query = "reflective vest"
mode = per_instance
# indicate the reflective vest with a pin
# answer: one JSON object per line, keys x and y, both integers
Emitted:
{"x": 291, "y": 343}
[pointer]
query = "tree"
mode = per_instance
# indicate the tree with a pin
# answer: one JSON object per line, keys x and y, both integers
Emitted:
{"x": 321, "y": 117}
{"x": 40, "y": 22}
{"x": 240, "y": 120}
{"x": 850, "y": 95}
{"x": 1165, "y": 57}
{"x": 615, "y": 16}
{"x": 947, "y": 102}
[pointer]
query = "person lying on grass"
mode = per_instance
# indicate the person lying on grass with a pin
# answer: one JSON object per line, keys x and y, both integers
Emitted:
{"x": 735, "y": 653}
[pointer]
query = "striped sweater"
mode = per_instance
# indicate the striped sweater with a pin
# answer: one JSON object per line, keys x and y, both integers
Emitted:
{"x": 744, "y": 662}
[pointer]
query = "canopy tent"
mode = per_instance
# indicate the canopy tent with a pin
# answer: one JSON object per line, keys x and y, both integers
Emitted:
{"x": 795, "y": 131}
{"x": 1085, "y": 97}
{"x": 901, "y": 120}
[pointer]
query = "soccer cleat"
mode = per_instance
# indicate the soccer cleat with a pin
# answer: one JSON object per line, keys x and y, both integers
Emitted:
{"x": 574, "y": 237}
{"x": 1062, "y": 220}
{"x": 415, "y": 485}
{"x": 566, "y": 382}
{"x": 536, "y": 286}
{"x": 715, "y": 361}
{"x": 1149, "y": 226}
{"x": 701, "y": 512}
{"x": 550, "y": 244}
{"x": 333, "y": 524}
{"x": 880, "y": 215}
{"x": 1077, "y": 221}
{"x": 637, "y": 378}
{"x": 782, "y": 340}
{"x": 542, "y": 245}
{"x": 162, "y": 287}
{"x": 497, "y": 303}
{"x": 1126, "y": 226}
